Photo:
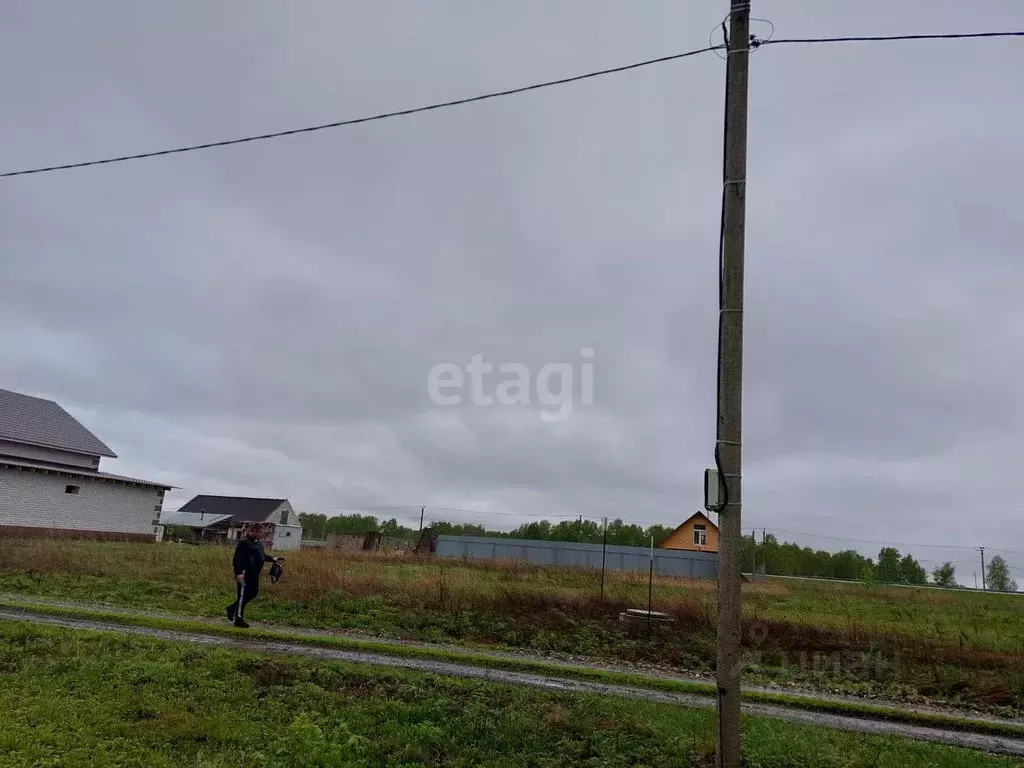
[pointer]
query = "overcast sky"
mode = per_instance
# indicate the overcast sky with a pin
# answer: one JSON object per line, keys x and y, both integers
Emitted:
{"x": 263, "y": 319}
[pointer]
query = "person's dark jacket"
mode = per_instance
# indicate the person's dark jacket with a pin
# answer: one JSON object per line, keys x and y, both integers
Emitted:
{"x": 250, "y": 557}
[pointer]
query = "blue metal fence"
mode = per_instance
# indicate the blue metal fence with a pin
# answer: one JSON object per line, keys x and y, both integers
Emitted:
{"x": 667, "y": 562}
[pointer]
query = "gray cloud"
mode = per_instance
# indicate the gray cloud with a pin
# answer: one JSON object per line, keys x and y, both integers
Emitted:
{"x": 262, "y": 319}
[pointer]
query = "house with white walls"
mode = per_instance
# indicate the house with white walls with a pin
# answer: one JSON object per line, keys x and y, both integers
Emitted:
{"x": 51, "y": 482}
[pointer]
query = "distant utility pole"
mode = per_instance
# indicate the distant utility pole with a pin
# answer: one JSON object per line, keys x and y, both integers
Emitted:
{"x": 422, "y": 510}
{"x": 650, "y": 587}
{"x": 730, "y": 378}
{"x": 604, "y": 552}
{"x": 984, "y": 582}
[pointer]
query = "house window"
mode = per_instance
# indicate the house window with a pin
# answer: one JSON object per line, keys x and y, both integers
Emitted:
{"x": 700, "y": 535}
{"x": 72, "y": 489}
{"x": 287, "y": 533}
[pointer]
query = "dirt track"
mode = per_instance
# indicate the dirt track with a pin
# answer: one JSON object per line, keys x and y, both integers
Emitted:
{"x": 568, "y": 662}
{"x": 996, "y": 744}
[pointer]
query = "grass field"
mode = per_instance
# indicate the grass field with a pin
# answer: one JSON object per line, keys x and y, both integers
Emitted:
{"x": 965, "y": 647}
{"x": 73, "y": 698}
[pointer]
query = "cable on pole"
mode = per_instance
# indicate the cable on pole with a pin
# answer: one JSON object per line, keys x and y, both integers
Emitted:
{"x": 360, "y": 120}
{"x": 755, "y": 42}
{"x": 758, "y": 43}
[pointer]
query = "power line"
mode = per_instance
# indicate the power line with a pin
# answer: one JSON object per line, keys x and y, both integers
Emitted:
{"x": 513, "y": 514}
{"x": 360, "y": 120}
{"x": 455, "y": 510}
{"x": 756, "y": 43}
{"x": 1007, "y": 551}
{"x": 943, "y": 562}
{"x": 641, "y": 523}
{"x": 648, "y": 522}
{"x": 866, "y": 541}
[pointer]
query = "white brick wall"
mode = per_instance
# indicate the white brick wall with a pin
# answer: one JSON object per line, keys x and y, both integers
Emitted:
{"x": 38, "y": 499}
{"x": 283, "y": 515}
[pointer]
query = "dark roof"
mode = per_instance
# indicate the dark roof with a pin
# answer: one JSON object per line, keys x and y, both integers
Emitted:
{"x": 242, "y": 509}
{"x": 34, "y": 421}
{"x": 68, "y": 472}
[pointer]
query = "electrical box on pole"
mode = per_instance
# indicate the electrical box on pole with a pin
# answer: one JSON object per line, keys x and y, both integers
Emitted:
{"x": 714, "y": 494}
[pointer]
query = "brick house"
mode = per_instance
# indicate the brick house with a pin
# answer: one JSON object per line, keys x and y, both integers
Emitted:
{"x": 51, "y": 483}
{"x": 226, "y": 517}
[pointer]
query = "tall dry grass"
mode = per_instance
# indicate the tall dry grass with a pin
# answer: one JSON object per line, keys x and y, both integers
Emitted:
{"x": 969, "y": 642}
{"x": 400, "y": 579}
{"x": 825, "y": 615}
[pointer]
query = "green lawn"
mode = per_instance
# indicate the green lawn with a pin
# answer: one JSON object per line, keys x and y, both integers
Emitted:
{"x": 73, "y": 698}
{"x": 964, "y": 647}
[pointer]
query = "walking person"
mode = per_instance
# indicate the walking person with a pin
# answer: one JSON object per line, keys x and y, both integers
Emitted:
{"x": 247, "y": 565}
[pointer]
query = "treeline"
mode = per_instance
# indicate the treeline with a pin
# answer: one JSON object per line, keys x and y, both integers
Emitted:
{"x": 579, "y": 530}
{"x": 780, "y": 558}
{"x": 788, "y": 559}
{"x": 318, "y": 526}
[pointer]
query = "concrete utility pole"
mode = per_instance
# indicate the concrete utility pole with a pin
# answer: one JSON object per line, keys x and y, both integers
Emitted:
{"x": 604, "y": 553}
{"x": 730, "y": 394}
{"x": 753, "y": 553}
{"x": 984, "y": 581}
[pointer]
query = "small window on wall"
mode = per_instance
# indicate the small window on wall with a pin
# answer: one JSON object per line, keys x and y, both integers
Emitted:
{"x": 700, "y": 535}
{"x": 72, "y": 489}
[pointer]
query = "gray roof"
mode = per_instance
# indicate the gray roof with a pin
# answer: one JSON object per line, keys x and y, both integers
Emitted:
{"x": 192, "y": 519}
{"x": 32, "y": 420}
{"x": 68, "y": 472}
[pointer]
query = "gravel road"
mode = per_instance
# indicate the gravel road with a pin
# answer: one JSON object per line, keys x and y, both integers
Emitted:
{"x": 995, "y": 744}
{"x": 564, "y": 661}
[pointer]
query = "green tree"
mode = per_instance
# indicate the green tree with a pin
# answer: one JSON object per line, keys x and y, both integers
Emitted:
{"x": 589, "y": 532}
{"x": 393, "y": 529}
{"x": 352, "y": 524}
{"x": 911, "y": 571}
{"x": 658, "y": 532}
{"x": 535, "y": 531}
{"x": 849, "y": 564}
{"x": 443, "y": 528}
{"x": 944, "y": 575}
{"x": 888, "y": 569}
{"x": 999, "y": 576}
{"x": 313, "y": 526}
